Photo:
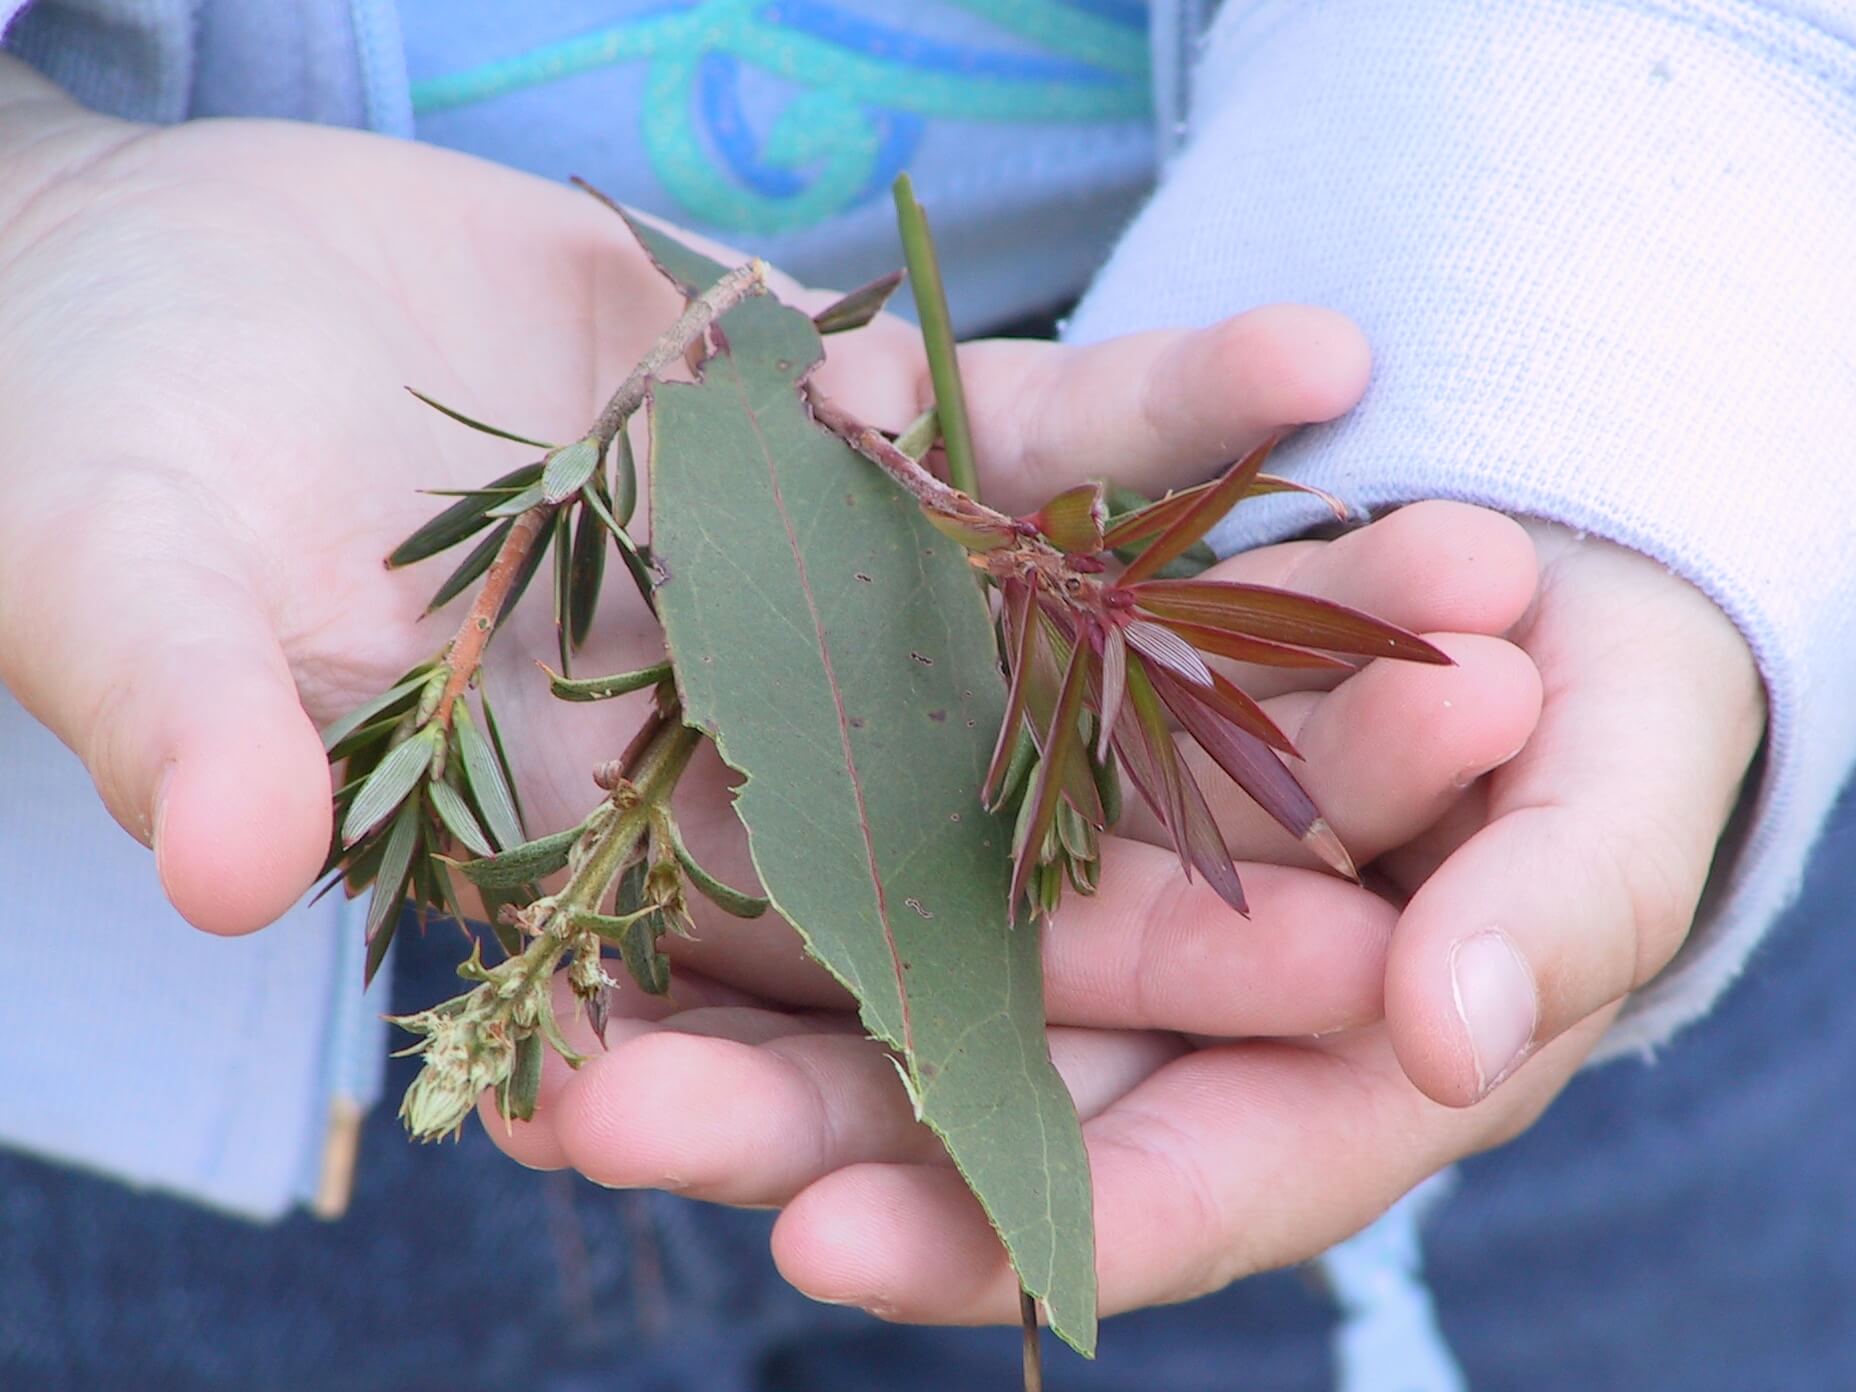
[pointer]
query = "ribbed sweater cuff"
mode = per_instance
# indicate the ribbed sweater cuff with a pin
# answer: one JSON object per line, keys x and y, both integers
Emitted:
{"x": 1606, "y": 255}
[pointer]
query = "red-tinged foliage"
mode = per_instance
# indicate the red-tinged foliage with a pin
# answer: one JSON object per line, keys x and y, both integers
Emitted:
{"x": 1024, "y": 634}
{"x": 1240, "y": 647}
{"x": 1279, "y": 616}
{"x": 1134, "y": 650}
{"x": 1073, "y": 520}
{"x": 1200, "y": 517}
{"x": 1062, "y": 739}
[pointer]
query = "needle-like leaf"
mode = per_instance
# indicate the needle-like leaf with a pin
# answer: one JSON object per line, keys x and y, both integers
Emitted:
{"x": 1043, "y": 687}
{"x": 1114, "y": 687}
{"x": 390, "y": 885}
{"x": 464, "y": 518}
{"x": 522, "y": 864}
{"x": 585, "y": 574}
{"x": 1022, "y": 633}
{"x": 733, "y": 902}
{"x": 386, "y": 787}
{"x": 1145, "y": 745}
{"x": 389, "y": 702}
{"x": 1164, "y": 648}
{"x": 1255, "y": 768}
{"x": 478, "y": 425}
{"x": 470, "y": 568}
{"x": 459, "y": 820}
{"x": 1280, "y": 616}
{"x": 1200, "y": 517}
{"x": 1244, "y": 648}
{"x": 859, "y": 307}
{"x": 1062, "y": 739}
{"x": 483, "y": 771}
{"x": 604, "y": 688}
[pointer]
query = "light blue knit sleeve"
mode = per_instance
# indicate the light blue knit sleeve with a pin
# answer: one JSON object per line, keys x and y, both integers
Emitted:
{"x": 1605, "y": 251}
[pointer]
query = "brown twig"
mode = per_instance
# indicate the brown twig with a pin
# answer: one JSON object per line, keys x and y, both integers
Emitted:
{"x": 465, "y": 653}
{"x": 877, "y": 447}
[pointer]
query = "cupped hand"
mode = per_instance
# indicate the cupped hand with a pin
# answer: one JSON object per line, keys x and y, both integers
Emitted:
{"x": 204, "y": 333}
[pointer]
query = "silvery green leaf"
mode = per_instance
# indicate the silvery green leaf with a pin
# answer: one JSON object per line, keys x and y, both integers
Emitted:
{"x": 472, "y": 566}
{"x": 516, "y": 506}
{"x": 604, "y": 688}
{"x": 522, "y": 864}
{"x": 387, "y": 786}
{"x": 463, "y": 518}
{"x": 730, "y": 901}
{"x": 568, "y": 469}
{"x": 638, "y": 950}
{"x": 408, "y": 687}
{"x": 524, "y": 577}
{"x": 516, "y": 1098}
{"x": 455, "y": 813}
{"x": 502, "y": 751}
{"x": 463, "y": 419}
{"x": 390, "y": 885}
{"x": 484, "y": 772}
{"x": 625, "y": 480}
{"x": 586, "y": 572}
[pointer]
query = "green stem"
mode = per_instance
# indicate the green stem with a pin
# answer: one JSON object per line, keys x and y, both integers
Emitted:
{"x": 938, "y": 337}
{"x": 656, "y": 775}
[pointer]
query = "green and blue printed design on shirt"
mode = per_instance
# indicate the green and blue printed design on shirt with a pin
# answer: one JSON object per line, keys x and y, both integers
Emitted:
{"x": 770, "y": 116}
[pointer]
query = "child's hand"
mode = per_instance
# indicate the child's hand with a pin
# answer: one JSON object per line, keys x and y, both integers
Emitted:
{"x": 1214, "y": 1159}
{"x": 734, "y": 1102}
{"x": 203, "y": 335}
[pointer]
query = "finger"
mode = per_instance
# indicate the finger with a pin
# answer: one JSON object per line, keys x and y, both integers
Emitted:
{"x": 1151, "y": 951}
{"x": 1156, "y": 410}
{"x": 1224, "y": 1163}
{"x": 1385, "y": 754}
{"x": 535, "y": 1143}
{"x": 749, "y": 1107}
{"x": 133, "y": 630}
{"x": 1585, "y": 881}
{"x": 1407, "y": 867}
{"x": 1432, "y": 567}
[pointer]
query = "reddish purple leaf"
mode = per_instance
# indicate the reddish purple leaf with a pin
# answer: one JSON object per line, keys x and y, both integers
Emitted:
{"x": 1255, "y": 768}
{"x": 1205, "y": 845}
{"x": 1021, "y": 633}
{"x": 1114, "y": 684}
{"x": 1230, "y": 700}
{"x": 1062, "y": 739}
{"x": 1145, "y": 745}
{"x": 1243, "y": 648}
{"x": 1275, "y": 483}
{"x": 1043, "y": 681}
{"x": 1153, "y": 519}
{"x": 1166, "y": 649}
{"x": 1280, "y": 616}
{"x": 1199, "y": 518}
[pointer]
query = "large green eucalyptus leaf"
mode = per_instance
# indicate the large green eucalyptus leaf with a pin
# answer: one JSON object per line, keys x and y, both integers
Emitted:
{"x": 839, "y": 650}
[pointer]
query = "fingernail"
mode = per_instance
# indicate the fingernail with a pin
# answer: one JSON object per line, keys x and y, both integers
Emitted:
{"x": 152, "y": 823}
{"x": 1497, "y": 1003}
{"x": 1467, "y": 776}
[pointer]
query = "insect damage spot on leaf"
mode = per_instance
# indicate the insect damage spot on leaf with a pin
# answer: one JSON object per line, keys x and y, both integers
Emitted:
{"x": 938, "y": 716}
{"x": 919, "y": 908}
{"x": 864, "y": 578}
{"x": 922, "y": 658}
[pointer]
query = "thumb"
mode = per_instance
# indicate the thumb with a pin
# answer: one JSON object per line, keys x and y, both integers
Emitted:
{"x": 135, "y": 634}
{"x": 1585, "y": 881}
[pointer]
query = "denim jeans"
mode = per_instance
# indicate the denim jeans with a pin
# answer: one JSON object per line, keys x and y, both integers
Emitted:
{"x": 1688, "y": 1225}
